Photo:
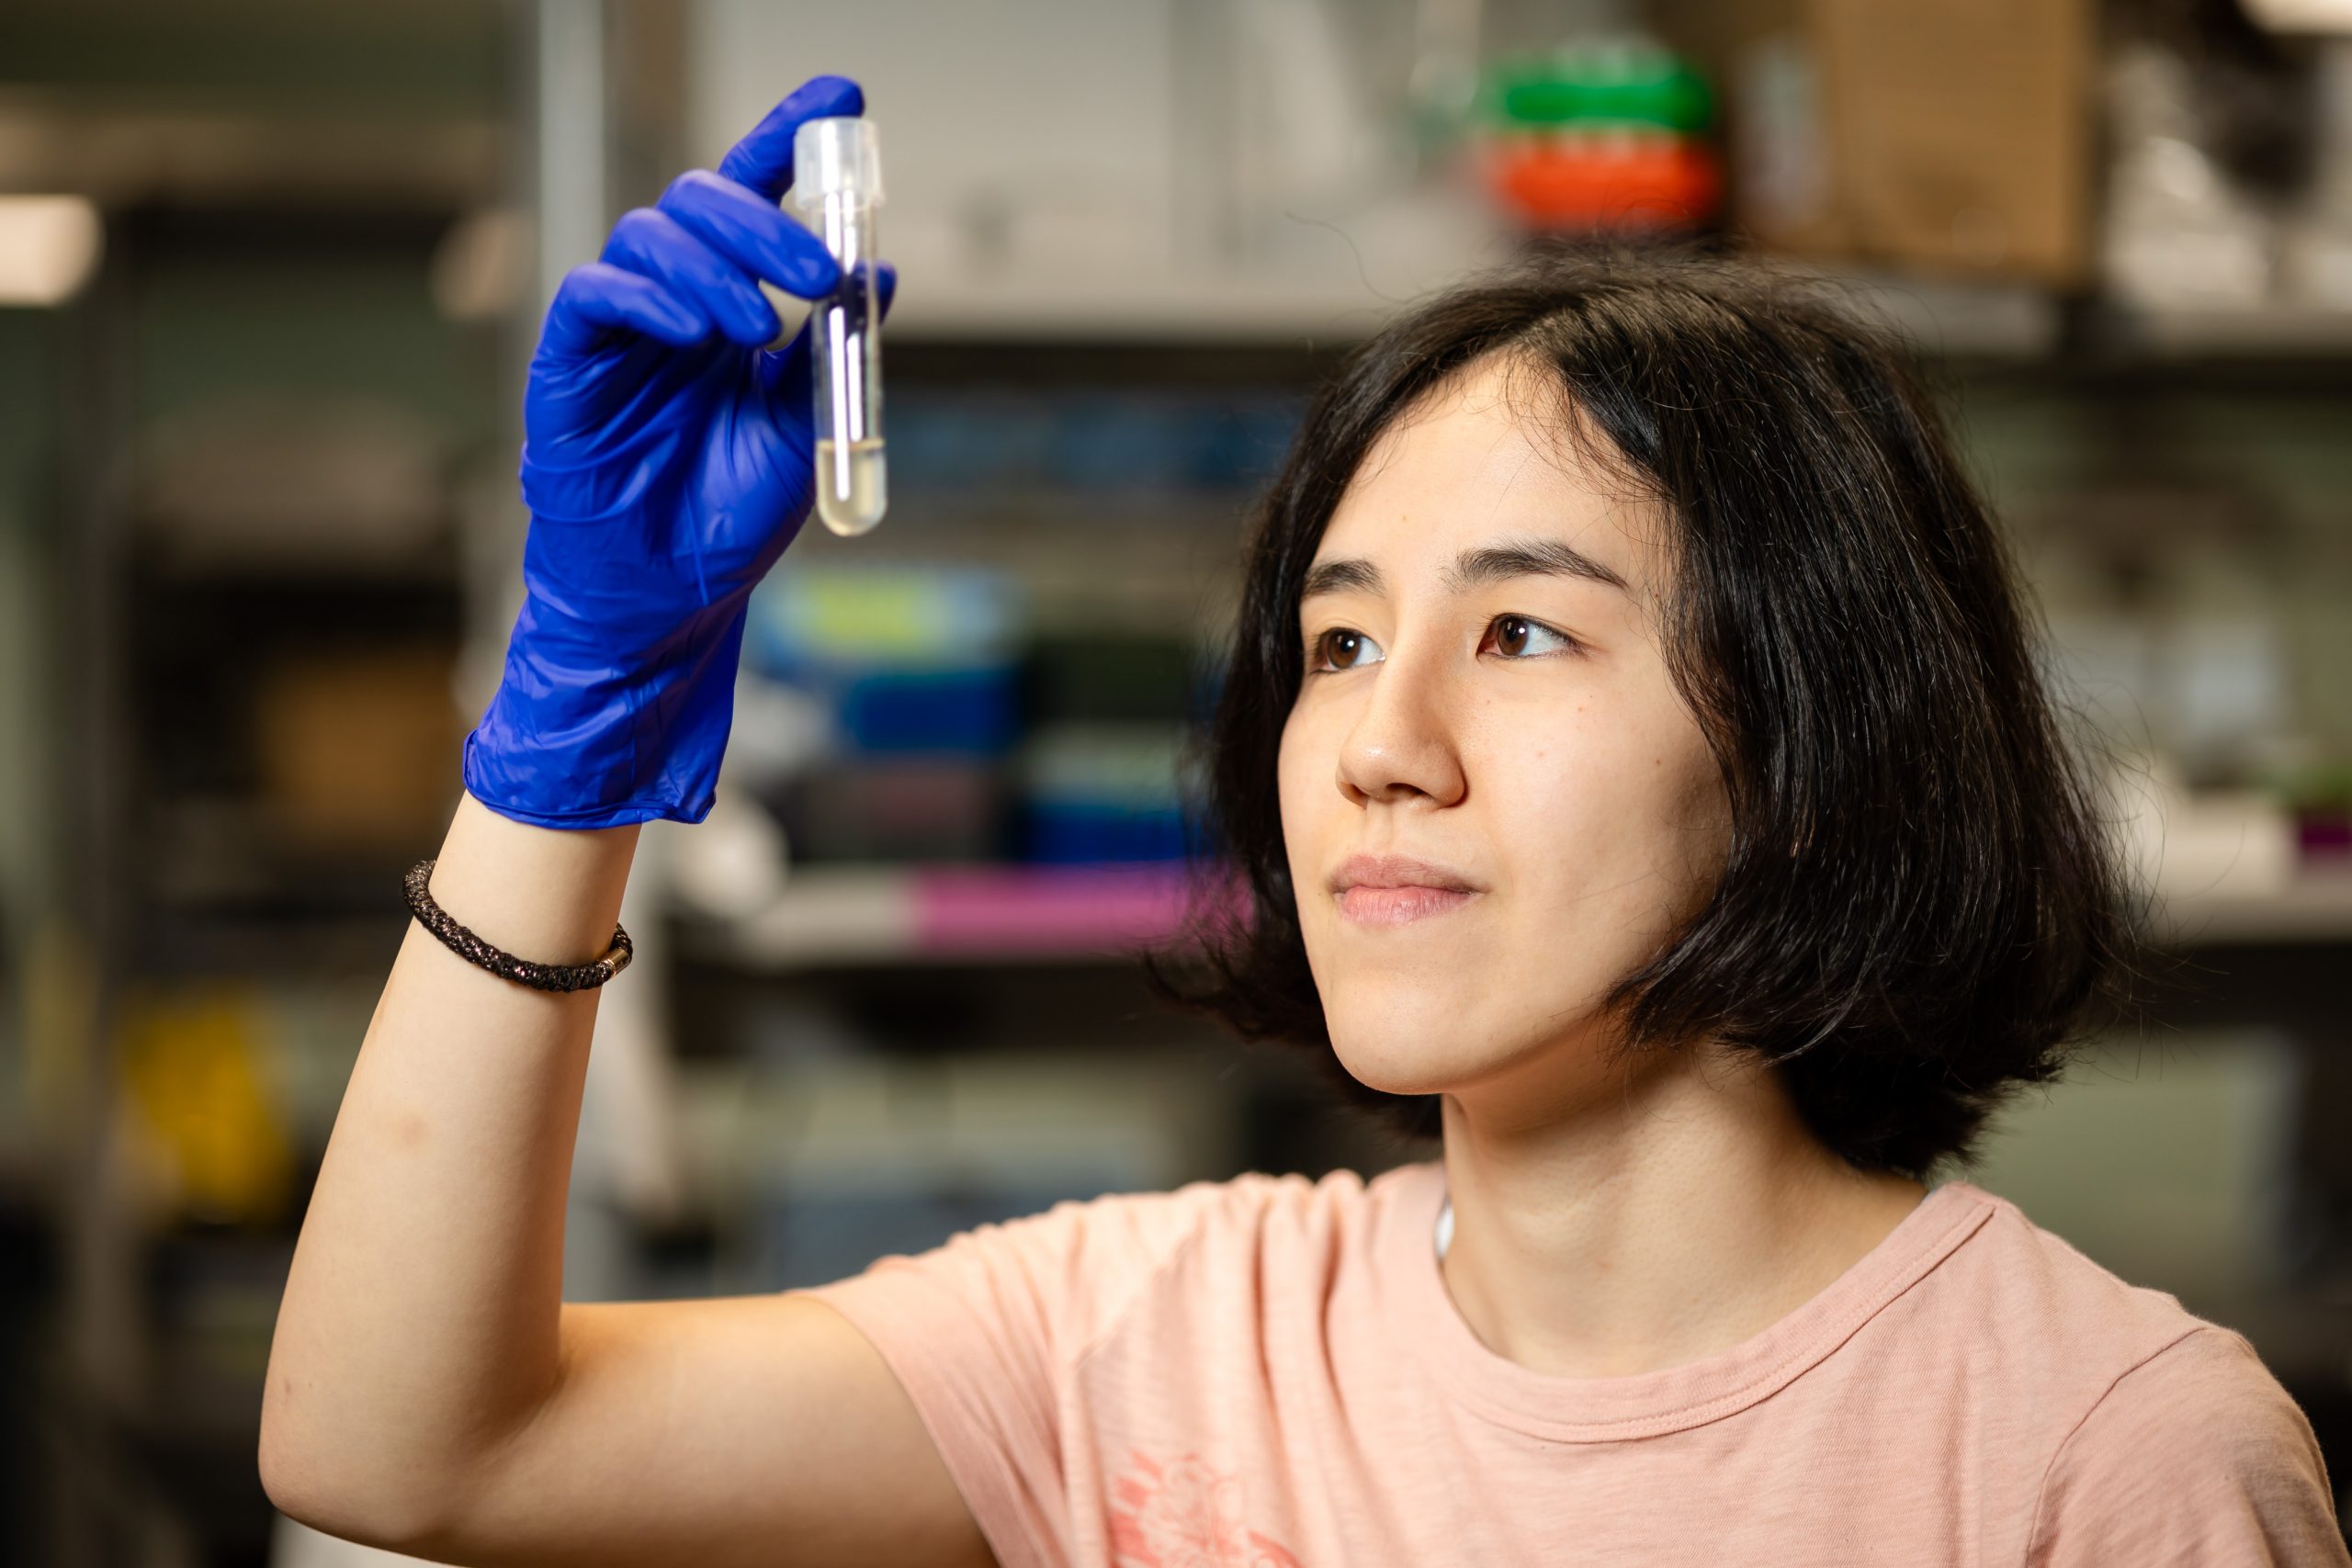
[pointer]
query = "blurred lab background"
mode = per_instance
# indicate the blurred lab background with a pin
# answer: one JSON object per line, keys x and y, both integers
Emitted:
{"x": 269, "y": 273}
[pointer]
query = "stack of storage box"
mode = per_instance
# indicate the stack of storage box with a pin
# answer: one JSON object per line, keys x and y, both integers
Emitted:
{"x": 962, "y": 731}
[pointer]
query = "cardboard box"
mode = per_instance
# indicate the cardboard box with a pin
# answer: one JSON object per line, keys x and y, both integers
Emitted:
{"x": 1943, "y": 137}
{"x": 360, "y": 750}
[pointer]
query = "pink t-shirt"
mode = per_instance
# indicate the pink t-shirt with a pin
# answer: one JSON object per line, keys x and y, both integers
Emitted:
{"x": 1270, "y": 1371}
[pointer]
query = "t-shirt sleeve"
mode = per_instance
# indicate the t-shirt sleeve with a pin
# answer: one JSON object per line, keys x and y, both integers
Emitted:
{"x": 2197, "y": 1457}
{"x": 983, "y": 1330}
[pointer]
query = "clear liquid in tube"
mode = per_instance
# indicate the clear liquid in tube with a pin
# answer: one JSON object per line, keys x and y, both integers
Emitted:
{"x": 837, "y": 183}
{"x": 851, "y": 485}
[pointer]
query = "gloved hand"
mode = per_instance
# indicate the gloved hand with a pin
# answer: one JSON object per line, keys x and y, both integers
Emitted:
{"x": 667, "y": 462}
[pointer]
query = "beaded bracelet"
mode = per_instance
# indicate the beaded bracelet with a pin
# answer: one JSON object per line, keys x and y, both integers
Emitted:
{"x": 539, "y": 977}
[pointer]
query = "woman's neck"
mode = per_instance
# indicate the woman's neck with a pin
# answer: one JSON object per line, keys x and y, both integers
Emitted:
{"x": 1665, "y": 1217}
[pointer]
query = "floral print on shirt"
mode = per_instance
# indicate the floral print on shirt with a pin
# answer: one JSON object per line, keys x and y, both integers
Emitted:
{"x": 1184, "y": 1514}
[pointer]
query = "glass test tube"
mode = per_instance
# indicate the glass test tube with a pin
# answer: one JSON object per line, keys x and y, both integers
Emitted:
{"x": 837, "y": 184}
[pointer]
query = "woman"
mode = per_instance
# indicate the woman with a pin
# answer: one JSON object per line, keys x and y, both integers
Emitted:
{"x": 1632, "y": 748}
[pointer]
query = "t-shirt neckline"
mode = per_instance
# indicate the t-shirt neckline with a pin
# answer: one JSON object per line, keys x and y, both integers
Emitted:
{"x": 1421, "y": 1315}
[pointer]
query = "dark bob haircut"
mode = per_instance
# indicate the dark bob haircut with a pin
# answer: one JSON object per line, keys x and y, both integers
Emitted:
{"x": 1922, "y": 907}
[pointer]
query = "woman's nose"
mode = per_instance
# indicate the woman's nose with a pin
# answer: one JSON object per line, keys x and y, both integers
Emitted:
{"x": 1400, "y": 742}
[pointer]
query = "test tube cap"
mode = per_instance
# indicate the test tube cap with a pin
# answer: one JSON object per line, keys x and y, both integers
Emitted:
{"x": 838, "y": 154}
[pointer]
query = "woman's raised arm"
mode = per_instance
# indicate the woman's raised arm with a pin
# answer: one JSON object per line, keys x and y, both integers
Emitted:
{"x": 430, "y": 1392}
{"x": 429, "y": 1389}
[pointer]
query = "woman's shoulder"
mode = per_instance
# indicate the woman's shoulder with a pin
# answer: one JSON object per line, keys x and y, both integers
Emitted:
{"x": 2056, "y": 1284}
{"x": 1114, "y": 1243}
{"x": 2192, "y": 1452}
{"x": 1253, "y": 1209}
{"x": 2129, "y": 1379}
{"x": 2030, "y": 1284}
{"x": 1060, "y": 1279}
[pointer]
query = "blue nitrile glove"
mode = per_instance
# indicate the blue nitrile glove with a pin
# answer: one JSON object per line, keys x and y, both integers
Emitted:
{"x": 666, "y": 463}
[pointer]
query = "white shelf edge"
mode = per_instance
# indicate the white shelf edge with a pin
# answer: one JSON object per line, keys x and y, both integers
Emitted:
{"x": 853, "y": 915}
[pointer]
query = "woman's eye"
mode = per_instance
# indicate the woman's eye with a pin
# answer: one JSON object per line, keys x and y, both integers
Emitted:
{"x": 1518, "y": 629}
{"x": 1340, "y": 643}
{"x": 1341, "y": 648}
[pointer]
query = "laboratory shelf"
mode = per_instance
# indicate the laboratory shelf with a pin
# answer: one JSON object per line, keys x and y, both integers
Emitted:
{"x": 1981, "y": 320}
{"x": 2030, "y": 324}
{"x": 849, "y": 915}
{"x": 2282, "y": 331}
{"x": 1175, "y": 308}
{"x": 1965, "y": 317}
{"x": 955, "y": 914}
{"x": 2313, "y": 907}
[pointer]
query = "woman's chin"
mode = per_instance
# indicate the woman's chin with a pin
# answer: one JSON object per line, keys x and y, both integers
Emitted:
{"x": 1447, "y": 1044}
{"x": 1400, "y": 1061}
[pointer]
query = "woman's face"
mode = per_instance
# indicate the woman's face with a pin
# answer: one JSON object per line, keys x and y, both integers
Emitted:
{"x": 1503, "y": 719}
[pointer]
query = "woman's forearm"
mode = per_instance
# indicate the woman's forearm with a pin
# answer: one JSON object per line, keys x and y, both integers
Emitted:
{"x": 419, "y": 1320}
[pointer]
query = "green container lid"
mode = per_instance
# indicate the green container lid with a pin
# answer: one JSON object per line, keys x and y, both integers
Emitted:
{"x": 1623, "y": 84}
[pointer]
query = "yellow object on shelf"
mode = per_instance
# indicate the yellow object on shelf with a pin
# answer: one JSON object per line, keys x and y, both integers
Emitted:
{"x": 195, "y": 1083}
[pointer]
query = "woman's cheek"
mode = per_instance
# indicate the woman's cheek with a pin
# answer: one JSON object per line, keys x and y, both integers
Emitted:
{"x": 1298, "y": 806}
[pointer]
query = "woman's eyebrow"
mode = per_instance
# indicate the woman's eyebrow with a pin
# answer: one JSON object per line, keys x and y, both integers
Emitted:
{"x": 1528, "y": 557}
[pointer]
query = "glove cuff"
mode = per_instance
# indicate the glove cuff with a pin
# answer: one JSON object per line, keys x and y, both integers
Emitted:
{"x": 561, "y": 746}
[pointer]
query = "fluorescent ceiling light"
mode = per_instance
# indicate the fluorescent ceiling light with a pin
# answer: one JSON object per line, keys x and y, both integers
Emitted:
{"x": 49, "y": 247}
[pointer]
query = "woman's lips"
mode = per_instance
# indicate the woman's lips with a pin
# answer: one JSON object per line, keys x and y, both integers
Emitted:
{"x": 1399, "y": 906}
